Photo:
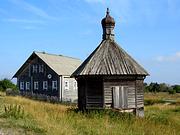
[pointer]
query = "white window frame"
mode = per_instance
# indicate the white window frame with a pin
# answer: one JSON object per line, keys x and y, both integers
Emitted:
{"x": 54, "y": 85}
{"x": 35, "y": 68}
{"x": 41, "y": 68}
{"x": 21, "y": 85}
{"x": 66, "y": 84}
{"x": 27, "y": 86}
{"x": 36, "y": 85}
{"x": 75, "y": 85}
{"x": 45, "y": 85}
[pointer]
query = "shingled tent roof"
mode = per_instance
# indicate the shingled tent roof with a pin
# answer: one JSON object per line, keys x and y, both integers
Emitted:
{"x": 60, "y": 64}
{"x": 109, "y": 58}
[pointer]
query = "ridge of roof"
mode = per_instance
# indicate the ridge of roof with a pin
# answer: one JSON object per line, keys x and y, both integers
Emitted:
{"x": 60, "y": 55}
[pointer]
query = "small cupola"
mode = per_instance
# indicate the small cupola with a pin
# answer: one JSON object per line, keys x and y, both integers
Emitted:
{"x": 108, "y": 25}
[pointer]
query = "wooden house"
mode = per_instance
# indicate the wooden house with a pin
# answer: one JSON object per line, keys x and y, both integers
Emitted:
{"x": 109, "y": 77}
{"x": 48, "y": 74}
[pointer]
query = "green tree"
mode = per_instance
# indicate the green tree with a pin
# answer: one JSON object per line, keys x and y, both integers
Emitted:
{"x": 176, "y": 88}
{"x": 154, "y": 87}
{"x": 171, "y": 91}
{"x": 163, "y": 87}
{"x": 146, "y": 87}
{"x": 6, "y": 83}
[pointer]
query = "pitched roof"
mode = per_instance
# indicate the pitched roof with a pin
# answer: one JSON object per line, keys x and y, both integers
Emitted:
{"x": 62, "y": 65}
{"x": 109, "y": 59}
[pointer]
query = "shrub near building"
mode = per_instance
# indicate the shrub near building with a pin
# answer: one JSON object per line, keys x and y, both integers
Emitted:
{"x": 7, "y": 86}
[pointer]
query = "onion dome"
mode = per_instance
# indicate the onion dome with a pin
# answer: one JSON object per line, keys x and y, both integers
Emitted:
{"x": 108, "y": 25}
{"x": 108, "y": 20}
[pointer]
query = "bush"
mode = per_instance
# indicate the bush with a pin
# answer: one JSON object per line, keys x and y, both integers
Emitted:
{"x": 11, "y": 92}
{"x": 176, "y": 88}
{"x": 172, "y": 91}
{"x": 6, "y": 83}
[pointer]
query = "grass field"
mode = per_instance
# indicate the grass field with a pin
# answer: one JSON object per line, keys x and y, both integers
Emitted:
{"x": 24, "y": 116}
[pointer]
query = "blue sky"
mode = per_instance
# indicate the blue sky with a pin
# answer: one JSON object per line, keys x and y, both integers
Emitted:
{"x": 149, "y": 30}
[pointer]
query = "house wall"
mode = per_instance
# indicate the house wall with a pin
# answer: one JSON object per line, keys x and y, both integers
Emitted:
{"x": 97, "y": 92}
{"x": 140, "y": 93}
{"x": 129, "y": 85}
{"x": 27, "y": 75}
{"x": 94, "y": 94}
{"x": 81, "y": 94}
{"x": 69, "y": 89}
{"x": 90, "y": 93}
{"x": 135, "y": 94}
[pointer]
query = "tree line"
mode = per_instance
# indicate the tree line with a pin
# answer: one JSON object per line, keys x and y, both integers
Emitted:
{"x": 161, "y": 87}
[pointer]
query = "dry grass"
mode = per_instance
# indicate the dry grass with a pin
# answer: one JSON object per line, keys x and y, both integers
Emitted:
{"x": 56, "y": 119}
{"x": 163, "y": 95}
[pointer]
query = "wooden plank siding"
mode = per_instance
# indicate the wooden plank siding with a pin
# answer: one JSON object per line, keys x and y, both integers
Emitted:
{"x": 140, "y": 93}
{"x": 27, "y": 75}
{"x": 90, "y": 93}
{"x": 81, "y": 94}
{"x": 97, "y": 93}
{"x": 129, "y": 86}
{"x": 94, "y": 94}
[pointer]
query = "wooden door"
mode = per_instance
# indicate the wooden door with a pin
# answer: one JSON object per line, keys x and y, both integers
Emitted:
{"x": 120, "y": 97}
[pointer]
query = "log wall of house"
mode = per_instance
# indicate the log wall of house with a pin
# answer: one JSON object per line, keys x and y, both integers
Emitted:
{"x": 81, "y": 94}
{"x": 94, "y": 94}
{"x": 97, "y": 93}
{"x": 90, "y": 93}
{"x": 139, "y": 93}
{"x": 128, "y": 84}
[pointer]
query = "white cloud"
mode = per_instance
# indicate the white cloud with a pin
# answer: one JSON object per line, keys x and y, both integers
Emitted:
{"x": 170, "y": 58}
{"x": 33, "y": 9}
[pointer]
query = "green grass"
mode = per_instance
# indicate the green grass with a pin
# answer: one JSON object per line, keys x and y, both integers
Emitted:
{"x": 55, "y": 119}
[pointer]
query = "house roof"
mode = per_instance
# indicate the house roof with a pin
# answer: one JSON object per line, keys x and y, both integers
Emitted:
{"x": 109, "y": 59}
{"x": 60, "y": 64}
